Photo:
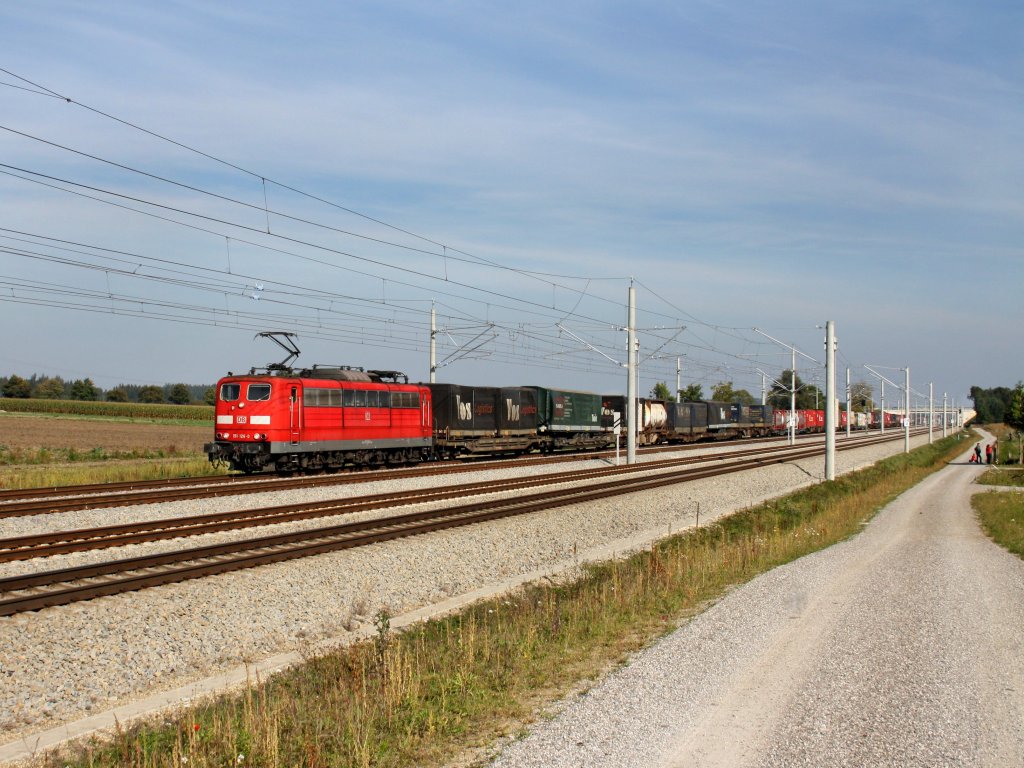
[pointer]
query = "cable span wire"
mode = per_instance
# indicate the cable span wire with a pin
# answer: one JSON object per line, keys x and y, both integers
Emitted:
{"x": 294, "y": 241}
{"x": 43, "y": 90}
{"x": 447, "y": 250}
{"x": 281, "y": 214}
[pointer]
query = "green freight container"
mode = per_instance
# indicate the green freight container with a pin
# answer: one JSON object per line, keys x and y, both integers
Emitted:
{"x": 562, "y": 410}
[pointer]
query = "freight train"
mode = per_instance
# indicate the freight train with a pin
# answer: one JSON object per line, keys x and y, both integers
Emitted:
{"x": 327, "y": 418}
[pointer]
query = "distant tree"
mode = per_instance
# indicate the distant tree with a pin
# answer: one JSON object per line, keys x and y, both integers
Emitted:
{"x": 723, "y": 391}
{"x": 861, "y": 399}
{"x": 1015, "y": 418}
{"x": 132, "y": 390}
{"x": 49, "y": 388}
{"x": 117, "y": 395}
{"x": 151, "y": 394}
{"x": 991, "y": 404}
{"x": 84, "y": 389}
{"x": 17, "y": 387}
{"x": 807, "y": 395}
{"x": 779, "y": 395}
{"x": 810, "y": 397}
{"x": 692, "y": 393}
{"x": 661, "y": 391}
{"x": 210, "y": 396}
{"x": 179, "y": 395}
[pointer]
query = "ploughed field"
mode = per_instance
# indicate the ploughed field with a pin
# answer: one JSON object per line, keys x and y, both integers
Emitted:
{"x": 21, "y": 433}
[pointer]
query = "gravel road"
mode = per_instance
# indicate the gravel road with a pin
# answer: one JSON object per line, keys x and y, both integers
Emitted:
{"x": 900, "y": 647}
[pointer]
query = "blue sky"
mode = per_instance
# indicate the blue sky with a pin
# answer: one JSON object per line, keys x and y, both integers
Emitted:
{"x": 770, "y": 165}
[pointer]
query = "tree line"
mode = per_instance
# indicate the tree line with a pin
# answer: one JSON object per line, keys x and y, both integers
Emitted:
{"x": 1000, "y": 405}
{"x": 56, "y": 388}
{"x": 808, "y": 396}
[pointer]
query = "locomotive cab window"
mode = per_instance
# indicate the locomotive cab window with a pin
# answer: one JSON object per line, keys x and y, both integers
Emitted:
{"x": 230, "y": 392}
{"x": 258, "y": 392}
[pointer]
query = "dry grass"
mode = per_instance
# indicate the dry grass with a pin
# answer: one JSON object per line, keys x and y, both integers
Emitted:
{"x": 56, "y": 475}
{"x": 445, "y": 688}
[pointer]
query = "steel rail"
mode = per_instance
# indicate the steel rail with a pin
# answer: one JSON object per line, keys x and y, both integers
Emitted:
{"x": 233, "y": 556}
{"x": 88, "y": 539}
{"x": 40, "y": 501}
{"x": 84, "y": 539}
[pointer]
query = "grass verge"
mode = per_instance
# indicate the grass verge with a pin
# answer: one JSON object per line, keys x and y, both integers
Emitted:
{"x": 1002, "y": 517}
{"x": 107, "y": 471}
{"x": 447, "y": 687}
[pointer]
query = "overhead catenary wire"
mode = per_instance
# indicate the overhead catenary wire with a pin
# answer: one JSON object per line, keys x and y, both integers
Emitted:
{"x": 45, "y": 91}
{"x": 294, "y": 241}
{"x": 544, "y": 314}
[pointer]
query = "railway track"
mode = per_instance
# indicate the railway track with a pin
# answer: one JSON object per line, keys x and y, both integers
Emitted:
{"x": 64, "y": 586}
{"x": 64, "y": 542}
{"x": 41, "y": 501}
{"x": 50, "y": 500}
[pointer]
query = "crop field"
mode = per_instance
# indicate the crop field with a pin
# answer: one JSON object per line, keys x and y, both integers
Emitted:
{"x": 42, "y": 450}
{"x": 31, "y": 432}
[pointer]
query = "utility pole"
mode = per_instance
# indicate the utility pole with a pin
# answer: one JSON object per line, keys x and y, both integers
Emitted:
{"x": 945, "y": 416}
{"x": 433, "y": 343}
{"x": 906, "y": 412}
{"x": 764, "y": 389}
{"x": 849, "y": 413}
{"x": 631, "y": 379}
{"x": 679, "y": 385}
{"x": 792, "y": 381}
{"x": 792, "y": 399}
{"x": 830, "y": 400}
{"x": 881, "y": 404}
{"x": 931, "y": 411}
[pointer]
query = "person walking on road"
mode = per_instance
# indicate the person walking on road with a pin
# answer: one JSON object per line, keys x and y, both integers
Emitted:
{"x": 977, "y": 454}
{"x": 988, "y": 453}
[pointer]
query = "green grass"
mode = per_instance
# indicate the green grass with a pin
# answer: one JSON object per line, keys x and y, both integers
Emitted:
{"x": 1002, "y": 517}
{"x": 447, "y": 688}
{"x": 1003, "y": 476}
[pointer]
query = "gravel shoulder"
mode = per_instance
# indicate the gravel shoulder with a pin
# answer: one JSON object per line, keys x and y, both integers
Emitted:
{"x": 901, "y": 646}
{"x": 61, "y": 665}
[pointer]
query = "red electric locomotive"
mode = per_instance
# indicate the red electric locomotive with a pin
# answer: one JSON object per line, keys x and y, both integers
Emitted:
{"x": 318, "y": 418}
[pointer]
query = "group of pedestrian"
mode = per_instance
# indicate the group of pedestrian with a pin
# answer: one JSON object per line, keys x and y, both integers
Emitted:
{"x": 991, "y": 454}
